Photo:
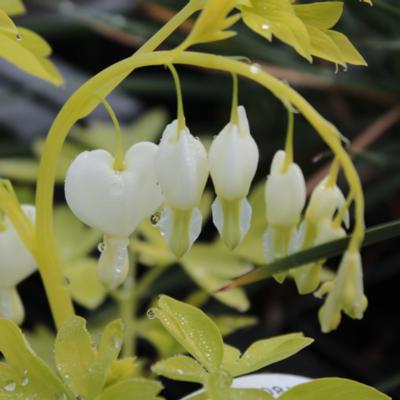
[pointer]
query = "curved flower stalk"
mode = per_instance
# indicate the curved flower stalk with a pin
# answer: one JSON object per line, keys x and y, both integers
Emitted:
{"x": 233, "y": 158}
{"x": 114, "y": 195}
{"x": 85, "y": 100}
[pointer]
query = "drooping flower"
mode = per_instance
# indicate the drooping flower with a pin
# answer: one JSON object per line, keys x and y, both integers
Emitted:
{"x": 233, "y": 158}
{"x": 182, "y": 171}
{"x": 16, "y": 264}
{"x": 345, "y": 294}
{"x": 319, "y": 227}
{"x": 114, "y": 202}
{"x": 285, "y": 197}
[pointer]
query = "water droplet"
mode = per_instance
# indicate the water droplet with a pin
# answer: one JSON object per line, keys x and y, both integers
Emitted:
{"x": 155, "y": 218}
{"x": 116, "y": 343}
{"x": 18, "y": 36}
{"x": 10, "y": 386}
{"x": 255, "y": 68}
{"x": 197, "y": 138}
{"x": 100, "y": 247}
{"x": 179, "y": 371}
{"x": 151, "y": 314}
{"x": 24, "y": 381}
{"x": 265, "y": 26}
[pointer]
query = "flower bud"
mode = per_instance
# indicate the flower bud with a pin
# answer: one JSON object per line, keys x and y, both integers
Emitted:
{"x": 285, "y": 193}
{"x": 233, "y": 158}
{"x": 182, "y": 168}
{"x": 16, "y": 264}
{"x": 114, "y": 202}
{"x": 325, "y": 200}
{"x": 347, "y": 294}
{"x": 182, "y": 171}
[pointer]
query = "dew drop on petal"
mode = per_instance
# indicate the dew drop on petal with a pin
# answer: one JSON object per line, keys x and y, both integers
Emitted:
{"x": 116, "y": 343}
{"x": 155, "y": 218}
{"x": 151, "y": 314}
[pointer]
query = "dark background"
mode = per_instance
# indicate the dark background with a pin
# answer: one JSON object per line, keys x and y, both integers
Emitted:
{"x": 87, "y": 36}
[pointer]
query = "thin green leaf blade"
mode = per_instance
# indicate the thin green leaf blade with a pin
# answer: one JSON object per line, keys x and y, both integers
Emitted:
{"x": 373, "y": 235}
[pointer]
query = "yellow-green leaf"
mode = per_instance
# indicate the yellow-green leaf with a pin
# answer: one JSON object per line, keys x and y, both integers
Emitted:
{"x": 12, "y": 7}
{"x": 83, "y": 283}
{"x": 264, "y": 352}
{"x": 25, "y": 376}
{"x": 333, "y": 389}
{"x": 82, "y": 367}
{"x": 193, "y": 329}
{"x": 212, "y": 22}
{"x": 322, "y": 15}
{"x": 123, "y": 369}
{"x": 249, "y": 394}
{"x": 26, "y": 52}
{"x": 6, "y": 23}
{"x": 211, "y": 267}
{"x": 180, "y": 368}
{"x": 74, "y": 239}
{"x": 132, "y": 389}
{"x": 278, "y": 18}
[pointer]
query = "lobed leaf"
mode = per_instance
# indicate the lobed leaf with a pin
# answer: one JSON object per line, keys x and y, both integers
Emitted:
{"x": 25, "y": 376}
{"x": 263, "y": 353}
{"x": 333, "y": 389}
{"x": 132, "y": 389}
{"x": 181, "y": 368}
{"x": 193, "y": 329}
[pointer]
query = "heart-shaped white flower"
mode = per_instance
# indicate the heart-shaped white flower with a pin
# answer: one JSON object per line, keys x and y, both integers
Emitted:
{"x": 16, "y": 264}
{"x": 114, "y": 202}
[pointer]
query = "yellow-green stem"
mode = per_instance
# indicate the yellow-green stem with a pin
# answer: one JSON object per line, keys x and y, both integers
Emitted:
{"x": 333, "y": 173}
{"x": 235, "y": 100}
{"x": 179, "y": 99}
{"x": 119, "y": 164}
{"x": 289, "y": 142}
{"x": 71, "y": 112}
{"x": 342, "y": 213}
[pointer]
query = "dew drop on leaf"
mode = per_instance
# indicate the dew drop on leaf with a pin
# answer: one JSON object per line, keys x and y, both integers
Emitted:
{"x": 18, "y": 36}
{"x": 10, "y": 386}
{"x": 265, "y": 26}
{"x": 116, "y": 343}
{"x": 255, "y": 68}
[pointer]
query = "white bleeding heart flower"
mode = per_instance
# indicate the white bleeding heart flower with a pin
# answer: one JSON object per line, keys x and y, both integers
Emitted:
{"x": 318, "y": 228}
{"x": 285, "y": 193}
{"x": 16, "y": 264}
{"x": 325, "y": 200}
{"x": 114, "y": 202}
{"x": 233, "y": 158}
{"x": 182, "y": 171}
{"x": 285, "y": 197}
{"x": 345, "y": 294}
